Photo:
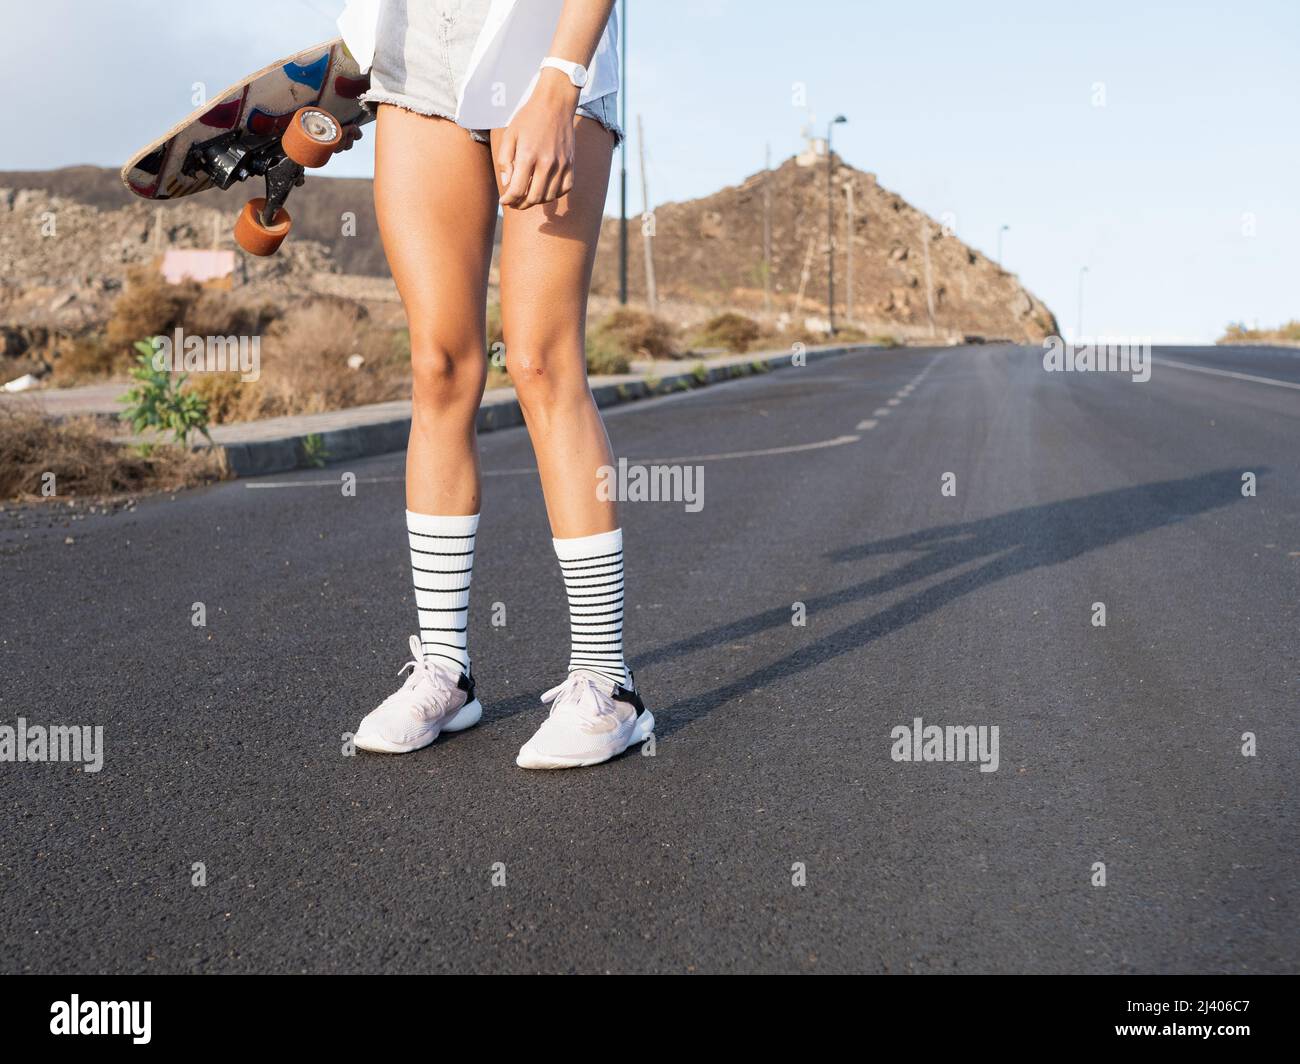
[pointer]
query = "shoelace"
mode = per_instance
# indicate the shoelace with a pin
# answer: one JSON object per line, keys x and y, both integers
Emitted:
{"x": 580, "y": 695}
{"x": 439, "y": 676}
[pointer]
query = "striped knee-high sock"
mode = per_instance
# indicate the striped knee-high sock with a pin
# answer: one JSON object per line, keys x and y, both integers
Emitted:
{"x": 442, "y": 561}
{"x": 593, "y": 580}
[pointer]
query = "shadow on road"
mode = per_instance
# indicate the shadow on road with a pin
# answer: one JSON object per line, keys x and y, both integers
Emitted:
{"x": 1012, "y": 543}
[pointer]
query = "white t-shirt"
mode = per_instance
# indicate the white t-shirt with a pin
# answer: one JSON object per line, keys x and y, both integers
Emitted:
{"x": 506, "y": 61}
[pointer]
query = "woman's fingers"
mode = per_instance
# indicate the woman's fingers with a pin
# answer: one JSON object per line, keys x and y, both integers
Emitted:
{"x": 545, "y": 183}
{"x": 516, "y": 169}
{"x": 544, "y": 176}
{"x": 560, "y": 183}
{"x": 529, "y": 177}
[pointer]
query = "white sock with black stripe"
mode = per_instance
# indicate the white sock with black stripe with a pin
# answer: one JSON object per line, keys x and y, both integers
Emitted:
{"x": 442, "y": 562}
{"x": 593, "y": 580}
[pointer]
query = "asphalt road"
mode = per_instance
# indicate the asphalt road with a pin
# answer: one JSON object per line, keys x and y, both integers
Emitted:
{"x": 1120, "y": 745}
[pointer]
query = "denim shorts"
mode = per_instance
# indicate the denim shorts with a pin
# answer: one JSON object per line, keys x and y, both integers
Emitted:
{"x": 422, "y": 53}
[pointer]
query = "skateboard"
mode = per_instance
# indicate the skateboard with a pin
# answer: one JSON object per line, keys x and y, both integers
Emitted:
{"x": 294, "y": 114}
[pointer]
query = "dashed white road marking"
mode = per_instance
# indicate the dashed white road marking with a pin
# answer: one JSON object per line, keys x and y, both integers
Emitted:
{"x": 322, "y": 483}
{"x": 881, "y": 411}
{"x": 870, "y": 423}
{"x": 1227, "y": 373}
{"x": 838, "y": 441}
{"x": 893, "y": 402}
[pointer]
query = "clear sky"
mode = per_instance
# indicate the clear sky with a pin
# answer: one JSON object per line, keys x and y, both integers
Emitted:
{"x": 1157, "y": 143}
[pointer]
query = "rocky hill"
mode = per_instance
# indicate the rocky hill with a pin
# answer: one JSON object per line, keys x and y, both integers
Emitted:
{"x": 708, "y": 252}
{"x": 711, "y": 250}
{"x": 317, "y": 208}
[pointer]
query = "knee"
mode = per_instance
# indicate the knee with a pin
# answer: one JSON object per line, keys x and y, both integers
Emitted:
{"x": 443, "y": 375}
{"x": 546, "y": 374}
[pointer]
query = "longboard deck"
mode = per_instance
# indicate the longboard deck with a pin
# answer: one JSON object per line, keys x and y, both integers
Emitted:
{"x": 259, "y": 106}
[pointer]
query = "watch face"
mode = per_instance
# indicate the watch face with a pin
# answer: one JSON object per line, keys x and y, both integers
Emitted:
{"x": 579, "y": 76}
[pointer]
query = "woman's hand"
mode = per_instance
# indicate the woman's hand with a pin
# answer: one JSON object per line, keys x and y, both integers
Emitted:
{"x": 535, "y": 156}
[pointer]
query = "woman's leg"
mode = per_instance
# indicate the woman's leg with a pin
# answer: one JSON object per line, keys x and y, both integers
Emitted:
{"x": 434, "y": 196}
{"x": 547, "y": 254}
{"x": 546, "y": 259}
{"x": 436, "y": 202}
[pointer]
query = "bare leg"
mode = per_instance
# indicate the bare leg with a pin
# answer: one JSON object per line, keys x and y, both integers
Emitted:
{"x": 436, "y": 201}
{"x": 546, "y": 259}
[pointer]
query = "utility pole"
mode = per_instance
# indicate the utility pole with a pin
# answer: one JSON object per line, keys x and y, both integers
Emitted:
{"x": 830, "y": 225}
{"x": 848, "y": 252}
{"x": 1078, "y": 337}
{"x": 767, "y": 231}
{"x": 622, "y": 157}
{"x": 804, "y": 274}
{"x": 647, "y": 227}
{"x": 929, "y": 281}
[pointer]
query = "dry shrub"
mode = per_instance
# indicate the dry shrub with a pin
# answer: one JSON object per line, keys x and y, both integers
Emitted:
{"x": 304, "y": 366}
{"x": 148, "y": 305}
{"x": 733, "y": 331}
{"x": 86, "y": 461}
{"x": 87, "y": 358}
{"x": 1239, "y": 333}
{"x": 216, "y": 312}
{"x": 228, "y": 398}
{"x": 625, "y": 334}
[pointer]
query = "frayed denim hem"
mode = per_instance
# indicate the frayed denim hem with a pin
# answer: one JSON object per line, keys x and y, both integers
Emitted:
{"x": 372, "y": 99}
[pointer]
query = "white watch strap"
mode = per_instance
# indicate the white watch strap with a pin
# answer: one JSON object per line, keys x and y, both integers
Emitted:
{"x": 576, "y": 72}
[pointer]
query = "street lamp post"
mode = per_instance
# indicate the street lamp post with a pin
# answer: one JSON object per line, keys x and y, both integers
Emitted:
{"x": 1078, "y": 336}
{"x": 1000, "y": 232}
{"x": 830, "y": 224}
{"x": 622, "y": 157}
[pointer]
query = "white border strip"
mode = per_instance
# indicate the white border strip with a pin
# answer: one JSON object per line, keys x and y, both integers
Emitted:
{"x": 1227, "y": 373}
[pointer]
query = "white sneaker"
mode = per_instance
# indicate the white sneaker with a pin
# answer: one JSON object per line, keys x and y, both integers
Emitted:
{"x": 592, "y": 719}
{"x": 435, "y": 698}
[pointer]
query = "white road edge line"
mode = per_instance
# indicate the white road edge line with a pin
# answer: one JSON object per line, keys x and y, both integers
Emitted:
{"x": 1226, "y": 373}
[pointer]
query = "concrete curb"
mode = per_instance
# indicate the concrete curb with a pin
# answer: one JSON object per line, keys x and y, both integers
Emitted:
{"x": 386, "y": 433}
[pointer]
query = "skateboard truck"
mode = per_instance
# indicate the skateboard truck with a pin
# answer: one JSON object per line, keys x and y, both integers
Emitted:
{"x": 281, "y": 178}
{"x": 310, "y": 139}
{"x": 228, "y": 159}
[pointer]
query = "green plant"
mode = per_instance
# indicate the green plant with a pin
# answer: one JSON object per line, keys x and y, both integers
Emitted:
{"x": 759, "y": 366}
{"x": 159, "y": 400}
{"x": 313, "y": 450}
{"x": 700, "y": 373}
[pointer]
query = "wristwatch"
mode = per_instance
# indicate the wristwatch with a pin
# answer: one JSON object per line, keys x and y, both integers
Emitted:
{"x": 576, "y": 72}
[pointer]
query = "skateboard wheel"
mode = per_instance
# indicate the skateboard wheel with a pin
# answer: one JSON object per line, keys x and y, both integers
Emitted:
{"x": 256, "y": 238}
{"x": 311, "y": 136}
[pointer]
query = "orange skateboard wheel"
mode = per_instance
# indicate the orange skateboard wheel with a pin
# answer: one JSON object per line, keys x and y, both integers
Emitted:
{"x": 256, "y": 238}
{"x": 312, "y": 136}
